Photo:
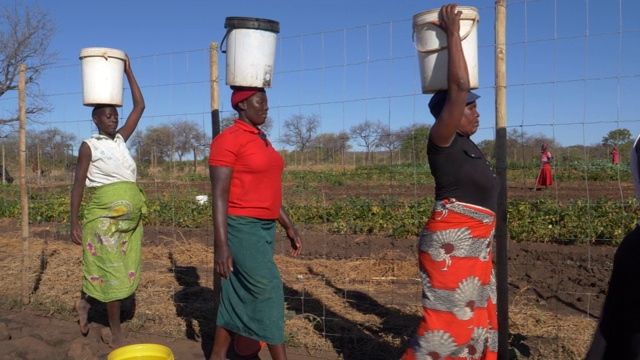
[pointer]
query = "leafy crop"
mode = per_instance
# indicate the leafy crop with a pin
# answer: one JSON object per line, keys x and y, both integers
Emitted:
{"x": 543, "y": 219}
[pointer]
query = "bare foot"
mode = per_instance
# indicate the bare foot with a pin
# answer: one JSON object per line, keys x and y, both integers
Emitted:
{"x": 118, "y": 341}
{"x": 105, "y": 335}
{"x": 82, "y": 307}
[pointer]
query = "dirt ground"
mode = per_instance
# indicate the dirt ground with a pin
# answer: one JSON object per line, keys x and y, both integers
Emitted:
{"x": 35, "y": 336}
{"x": 373, "y": 282}
{"x": 561, "y": 280}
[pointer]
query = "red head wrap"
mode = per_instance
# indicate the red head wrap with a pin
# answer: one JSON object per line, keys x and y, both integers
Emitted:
{"x": 241, "y": 93}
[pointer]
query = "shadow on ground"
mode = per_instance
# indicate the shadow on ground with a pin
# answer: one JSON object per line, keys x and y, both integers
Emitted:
{"x": 350, "y": 339}
{"x": 195, "y": 305}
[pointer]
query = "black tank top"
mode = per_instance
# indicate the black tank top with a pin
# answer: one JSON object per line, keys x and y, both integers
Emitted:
{"x": 463, "y": 173}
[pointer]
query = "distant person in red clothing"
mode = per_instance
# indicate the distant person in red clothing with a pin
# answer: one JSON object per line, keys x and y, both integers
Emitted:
{"x": 545, "y": 178}
{"x": 246, "y": 182}
{"x": 615, "y": 158}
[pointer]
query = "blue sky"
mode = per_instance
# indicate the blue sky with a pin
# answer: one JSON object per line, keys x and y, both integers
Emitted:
{"x": 573, "y": 68}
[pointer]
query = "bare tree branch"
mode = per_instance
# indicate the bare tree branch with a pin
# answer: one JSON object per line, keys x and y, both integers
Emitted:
{"x": 187, "y": 136}
{"x": 25, "y": 35}
{"x": 367, "y": 135}
{"x": 300, "y": 130}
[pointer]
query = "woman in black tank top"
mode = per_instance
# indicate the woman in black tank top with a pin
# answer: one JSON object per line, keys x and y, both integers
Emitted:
{"x": 458, "y": 283}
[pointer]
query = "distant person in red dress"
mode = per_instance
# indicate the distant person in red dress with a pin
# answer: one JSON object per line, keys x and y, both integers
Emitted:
{"x": 545, "y": 178}
{"x": 615, "y": 158}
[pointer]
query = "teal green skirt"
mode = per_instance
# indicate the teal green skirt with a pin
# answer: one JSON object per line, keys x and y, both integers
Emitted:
{"x": 252, "y": 300}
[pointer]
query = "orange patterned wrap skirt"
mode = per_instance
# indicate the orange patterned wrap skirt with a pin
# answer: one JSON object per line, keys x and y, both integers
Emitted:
{"x": 458, "y": 285}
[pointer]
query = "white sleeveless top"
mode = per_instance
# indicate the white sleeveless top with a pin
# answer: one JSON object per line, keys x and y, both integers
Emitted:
{"x": 111, "y": 161}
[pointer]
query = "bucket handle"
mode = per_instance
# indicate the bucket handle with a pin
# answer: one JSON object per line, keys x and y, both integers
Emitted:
{"x": 466, "y": 35}
{"x": 224, "y": 51}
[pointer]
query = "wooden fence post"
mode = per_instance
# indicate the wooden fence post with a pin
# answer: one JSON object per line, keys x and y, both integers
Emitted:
{"x": 215, "y": 128}
{"x": 501, "y": 234}
{"x": 26, "y": 283}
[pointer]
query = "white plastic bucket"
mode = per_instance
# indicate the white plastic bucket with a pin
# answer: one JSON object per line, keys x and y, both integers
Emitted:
{"x": 102, "y": 76}
{"x": 251, "y": 51}
{"x": 431, "y": 43}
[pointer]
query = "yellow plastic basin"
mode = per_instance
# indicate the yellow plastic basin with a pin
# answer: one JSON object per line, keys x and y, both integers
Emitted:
{"x": 142, "y": 352}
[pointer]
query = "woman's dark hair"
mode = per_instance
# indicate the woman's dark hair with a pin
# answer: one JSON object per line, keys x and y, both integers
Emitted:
{"x": 99, "y": 107}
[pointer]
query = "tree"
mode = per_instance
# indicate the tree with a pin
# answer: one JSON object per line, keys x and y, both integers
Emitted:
{"x": 10, "y": 145}
{"x": 187, "y": 138}
{"x": 414, "y": 142}
{"x": 390, "y": 140}
{"x": 534, "y": 143}
{"x": 515, "y": 138}
{"x": 25, "y": 34}
{"x": 299, "y": 131}
{"x": 53, "y": 144}
{"x": 487, "y": 147}
{"x": 617, "y": 137}
{"x": 155, "y": 143}
{"x": 622, "y": 138}
{"x": 367, "y": 135}
{"x": 525, "y": 148}
{"x": 331, "y": 145}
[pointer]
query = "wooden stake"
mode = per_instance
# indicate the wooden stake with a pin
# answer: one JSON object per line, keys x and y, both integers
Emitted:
{"x": 195, "y": 159}
{"x": 26, "y": 284}
{"x": 4, "y": 167}
{"x": 215, "y": 128}
{"x": 501, "y": 234}
{"x": 39, "y": 165}
{"x": 215, "y": 104}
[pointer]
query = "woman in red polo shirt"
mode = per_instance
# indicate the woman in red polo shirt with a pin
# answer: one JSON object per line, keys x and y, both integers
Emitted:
{"x": 246, "y": 174}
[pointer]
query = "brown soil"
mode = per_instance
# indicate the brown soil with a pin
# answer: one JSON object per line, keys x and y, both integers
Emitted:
{"x": 562, "y": 280}
{"x": 358, "y": 294}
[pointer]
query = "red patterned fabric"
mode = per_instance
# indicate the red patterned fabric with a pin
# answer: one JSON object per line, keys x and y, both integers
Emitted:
{"x": 459, "y": 288}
